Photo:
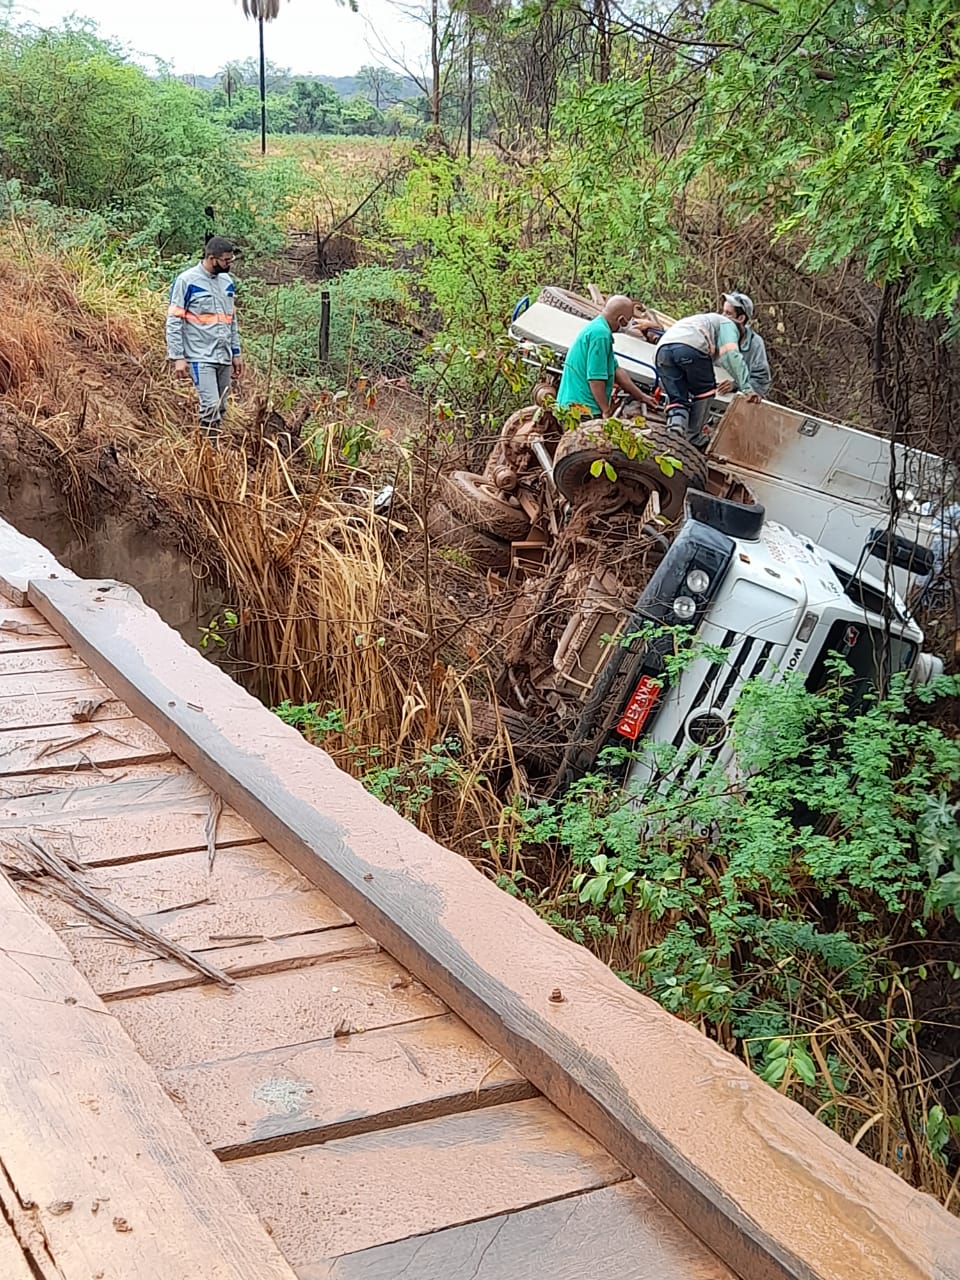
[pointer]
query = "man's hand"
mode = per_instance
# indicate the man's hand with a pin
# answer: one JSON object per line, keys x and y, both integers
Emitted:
{"x": 180, "y": 370}
{"x": 725, "y": 387}
{"x": 238, "y": 367}
{"x": 754, "y": 397}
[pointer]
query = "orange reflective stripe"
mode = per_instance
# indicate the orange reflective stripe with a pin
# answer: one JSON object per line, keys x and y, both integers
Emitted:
{"x": 176, "y": 311}
{"x": 214, "y": 317}
{"x": 727, "y": 346}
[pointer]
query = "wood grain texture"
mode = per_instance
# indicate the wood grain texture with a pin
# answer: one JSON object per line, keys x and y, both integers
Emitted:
{"x": 116, "y": 1181}
{"x": 617, "y": 1233}
{"x": 279, "y": 1098}
{"x": 121, "y": 820}
{"x": 117, "y": 971}
{"x": 36, "y": 660}
{"x": 55, "y": 748}
{"x": 208, "y": 1024}
{"x": 717, "y": 1146}
{"x": 24, "y": 629}
{"x": 13, "y": 1264}
{"x": 352, "y": 1194}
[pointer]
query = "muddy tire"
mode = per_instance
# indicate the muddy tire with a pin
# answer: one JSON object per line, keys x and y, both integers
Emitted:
{"x": 573, "y": 303}
{"x": 529, "y": 738}
{"x": 483, "y": 506}
{"x": 578, "y": 450}
{"x": 448, "y": 530}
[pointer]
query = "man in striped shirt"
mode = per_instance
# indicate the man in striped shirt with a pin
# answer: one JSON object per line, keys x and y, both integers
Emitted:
{"x": 685, "y": 358}
{"x": 203, "y": 340}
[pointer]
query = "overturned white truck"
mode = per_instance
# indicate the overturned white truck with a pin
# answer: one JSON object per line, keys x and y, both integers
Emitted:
{"x": 760, "y": 547}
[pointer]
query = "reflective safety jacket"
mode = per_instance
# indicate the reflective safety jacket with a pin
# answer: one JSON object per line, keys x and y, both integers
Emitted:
{"x": 717, "y": 337}
{"x": 202, "y": 318}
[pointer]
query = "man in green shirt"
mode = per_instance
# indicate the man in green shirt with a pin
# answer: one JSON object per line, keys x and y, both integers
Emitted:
{"x": 591, "y": 370}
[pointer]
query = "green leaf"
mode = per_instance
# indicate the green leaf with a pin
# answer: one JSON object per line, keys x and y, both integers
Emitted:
{"x": 596, "y": 467}
{"x": 610, "y": 473}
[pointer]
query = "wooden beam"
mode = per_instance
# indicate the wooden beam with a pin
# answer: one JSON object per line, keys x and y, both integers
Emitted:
{"x": 618, "y": 1231}
{"x": 92, "y": 1151}
{"x": 771, "y": 1190}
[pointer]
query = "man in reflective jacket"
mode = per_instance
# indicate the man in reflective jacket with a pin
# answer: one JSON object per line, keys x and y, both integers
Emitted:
{"x": 203, "y": 340}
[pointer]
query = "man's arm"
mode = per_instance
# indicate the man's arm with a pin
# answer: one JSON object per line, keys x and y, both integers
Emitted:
{"x": 175, "y": 322}
{"x": 757, "y": 363}
{"x": 730, "y": 359}
{"x": 235, "y": 337}
{"x": 598, "y": 387}
{"x": 623, "y": 380}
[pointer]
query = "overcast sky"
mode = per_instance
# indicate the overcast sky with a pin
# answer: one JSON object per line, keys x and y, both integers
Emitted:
{"x": 200, "y": 36}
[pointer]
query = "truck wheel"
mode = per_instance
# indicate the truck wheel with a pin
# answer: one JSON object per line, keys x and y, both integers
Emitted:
{"x": 482, "y": 505}
{"x": 579, "y": 450}
{"x": 485, "y": 551}
{"x": 573, "y": 303}
{"x": 530, "y": 738}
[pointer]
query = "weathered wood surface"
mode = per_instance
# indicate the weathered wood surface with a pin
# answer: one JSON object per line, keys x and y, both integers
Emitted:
{"x": 715, "y": 1144}
{"x": 55, "y": 748}
{"x": 23, "y": 629}
{"x": 121, "y": 819}
{"x": 617, "y": 1233}
{"x": 118, "y": 971}
{"x": 115, "y": 1180}
{"x": 379, "y": 1187}
{"x": 206, "y": 1024}
{"x": 274, "y": 1099}
{"x": 26, "y": 662}
{"x": 13, "y": 1264}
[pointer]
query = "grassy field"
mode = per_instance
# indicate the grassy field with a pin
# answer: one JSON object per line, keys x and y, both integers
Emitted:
{"x": 339, "y": 171}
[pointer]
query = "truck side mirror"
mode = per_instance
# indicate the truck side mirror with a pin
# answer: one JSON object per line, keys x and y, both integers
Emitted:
{"x": 899, "y": 551}
{"x": 735, "y": 519}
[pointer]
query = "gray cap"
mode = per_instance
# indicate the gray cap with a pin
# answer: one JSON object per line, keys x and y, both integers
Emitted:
{"x": 741, "y": 302}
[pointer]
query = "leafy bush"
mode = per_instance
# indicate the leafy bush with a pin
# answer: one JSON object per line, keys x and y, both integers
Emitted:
{"x": 787, "y": 914}
{"x": 367, "y": 330}
{"x": 82, "y": 128}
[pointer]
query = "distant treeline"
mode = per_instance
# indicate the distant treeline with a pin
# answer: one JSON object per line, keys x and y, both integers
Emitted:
{"x": 375, "y": 101}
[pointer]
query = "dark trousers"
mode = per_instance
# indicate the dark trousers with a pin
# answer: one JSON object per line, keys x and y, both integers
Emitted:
{"x": 687, "y": 377}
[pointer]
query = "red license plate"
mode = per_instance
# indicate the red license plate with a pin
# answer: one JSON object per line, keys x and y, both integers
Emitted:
{"x": 637, "y": 711}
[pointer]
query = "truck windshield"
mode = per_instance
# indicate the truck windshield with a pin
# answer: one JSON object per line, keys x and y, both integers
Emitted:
{"x": 872, "y": 656}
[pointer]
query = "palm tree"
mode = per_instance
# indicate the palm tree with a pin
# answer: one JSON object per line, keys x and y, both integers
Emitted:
{"x": 263, "y": 11}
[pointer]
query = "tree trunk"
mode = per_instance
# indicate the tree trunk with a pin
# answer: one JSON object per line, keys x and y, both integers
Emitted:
{"x": 435, "y": 62}
{"x": 263, "y": 96}
{"x": 469, "y": 86}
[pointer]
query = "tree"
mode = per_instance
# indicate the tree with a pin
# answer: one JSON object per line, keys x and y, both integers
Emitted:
{"x": 381, "y": 85}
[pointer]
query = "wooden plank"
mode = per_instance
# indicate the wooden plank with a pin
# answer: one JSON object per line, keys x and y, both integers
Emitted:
{"x": 25, "y": 709}
{"x": 117, "y": 970}
{"x": 122, "y": 820}
{"x": 204, "y": 1024}
{"x": 717, "y": 1146}
{"x": 116, "y": 1181}
{"x": 76, "y": 746}
{"x": 280, "y": 1098}
{"x": 35, "y": 660}
{"x": 24, "y": 629}
{"x": 620, "y": 1231}
{"x": 13, "y": 1264}
{"x": 352, "y": 1194}
{"x": 244, "y": 872}
{"x": 39, "y": 683}
{"x": 23, "y": 785}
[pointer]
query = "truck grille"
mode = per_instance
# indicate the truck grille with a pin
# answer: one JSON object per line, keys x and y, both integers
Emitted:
{"x": 720, "y": 687}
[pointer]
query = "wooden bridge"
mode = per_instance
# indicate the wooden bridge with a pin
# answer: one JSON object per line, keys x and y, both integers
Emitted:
{"x": 255, "y": 1026}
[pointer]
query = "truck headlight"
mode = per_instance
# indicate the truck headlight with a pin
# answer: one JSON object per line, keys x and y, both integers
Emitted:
{"x": 698, "y": 581}
{"x": 684, "y": 608}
